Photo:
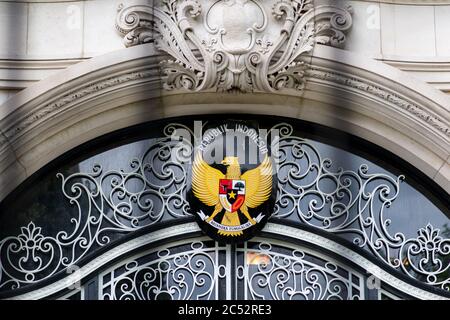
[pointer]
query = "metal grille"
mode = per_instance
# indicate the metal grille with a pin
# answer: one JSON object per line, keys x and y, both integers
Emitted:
{"x": 204, "y": 270}
{"x": 269, "y": 271}
{"x": 350, "y": 203}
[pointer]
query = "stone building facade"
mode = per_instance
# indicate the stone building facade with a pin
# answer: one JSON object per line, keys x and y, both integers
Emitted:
{"x": 98, "y": 97}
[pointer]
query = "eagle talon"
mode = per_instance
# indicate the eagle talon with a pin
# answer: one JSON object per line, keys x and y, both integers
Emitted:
{"x": 252, "y": 221}
{"x": 208, "y": 220}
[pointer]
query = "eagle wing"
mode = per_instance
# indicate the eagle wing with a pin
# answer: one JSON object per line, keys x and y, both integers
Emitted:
{"x": 205, "y": 181}
{"x": 258, "y": 184}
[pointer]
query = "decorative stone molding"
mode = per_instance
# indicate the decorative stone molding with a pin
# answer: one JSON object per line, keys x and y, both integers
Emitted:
{"x": 92, "y": 88}
{"x": 3, "y": 140}
{"x": 387, "y": 95}
{"x": 243, "y": 45}
{"x": 85, "y": 95}
{"x": 434, "y": 71}
{"x": 20, "y": 74}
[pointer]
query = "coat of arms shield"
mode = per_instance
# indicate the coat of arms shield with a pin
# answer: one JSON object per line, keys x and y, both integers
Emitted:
{"x": 232, "y": 194}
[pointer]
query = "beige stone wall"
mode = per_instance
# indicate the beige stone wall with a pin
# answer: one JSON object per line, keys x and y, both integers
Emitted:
{"x": 39, "y": 38}
{"x": 410, "y": 35}
{"x": 66, "y": 78}
{"x": 58, "y": 30}
{"x": 83, "y": 29}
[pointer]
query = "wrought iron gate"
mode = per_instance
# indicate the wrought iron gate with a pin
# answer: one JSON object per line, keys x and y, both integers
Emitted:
{"x": 335, "y": 227}
{"x": 257, "y": 270}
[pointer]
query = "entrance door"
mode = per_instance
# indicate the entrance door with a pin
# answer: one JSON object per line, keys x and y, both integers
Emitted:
{"x": 257, "y": 270}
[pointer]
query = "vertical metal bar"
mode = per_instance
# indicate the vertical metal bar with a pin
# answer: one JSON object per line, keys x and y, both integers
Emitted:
{"x": 228, "y": 271}
{"x": 245, "y": 272}
{"x": 217, "y": 270}
{"x": 233, "y": 275}
{"x": 91, "y": 289}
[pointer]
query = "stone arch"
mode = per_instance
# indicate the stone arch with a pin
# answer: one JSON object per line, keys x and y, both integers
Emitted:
{"x": 345, "y": 91}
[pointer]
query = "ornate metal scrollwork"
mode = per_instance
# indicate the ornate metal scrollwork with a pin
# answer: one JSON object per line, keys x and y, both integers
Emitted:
{"x": 271, "y": 272}
{"x": 191, "y": 274}
{"x": 246, "y": 45}
{"x": 426, "y": 257}
{"x": 192, "y": 271}
{"x": 353, "y": 204}
{"x": 108, "y": 203}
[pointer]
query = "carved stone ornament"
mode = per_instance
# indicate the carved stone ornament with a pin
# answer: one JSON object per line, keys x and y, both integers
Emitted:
{"x": 234, "y": 45}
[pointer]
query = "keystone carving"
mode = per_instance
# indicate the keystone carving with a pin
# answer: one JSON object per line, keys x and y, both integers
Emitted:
{"x": 234, "y": 45}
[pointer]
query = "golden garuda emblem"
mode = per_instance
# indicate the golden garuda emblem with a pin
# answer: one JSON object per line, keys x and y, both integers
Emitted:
{"x": 232, "y": 198}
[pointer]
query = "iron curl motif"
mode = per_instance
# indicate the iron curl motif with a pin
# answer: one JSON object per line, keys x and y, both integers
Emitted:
{"x": 25, "y": 257}
{"x": 167, "y": 274}
{"x": 295, "y": 275}
{"x": 354, "y": 205}
{"x": 108, "y": 204}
